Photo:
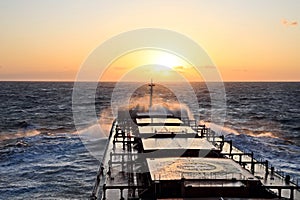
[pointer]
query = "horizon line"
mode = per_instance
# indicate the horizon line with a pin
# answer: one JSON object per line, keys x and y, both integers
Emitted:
{"x": 225, "y": 81}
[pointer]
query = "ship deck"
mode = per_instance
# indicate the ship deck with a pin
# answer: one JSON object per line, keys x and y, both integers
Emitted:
{"x": 176, "y": 143}
{"x": 143, "y": 121}
{"x": 212, "y": 170}
{"x": 119, "y": 177}
{"x": 273, "y": 181}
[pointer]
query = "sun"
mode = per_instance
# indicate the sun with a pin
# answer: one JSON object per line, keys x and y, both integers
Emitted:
{"x": 168, "y": 60}
{"x": 150, "y": 63}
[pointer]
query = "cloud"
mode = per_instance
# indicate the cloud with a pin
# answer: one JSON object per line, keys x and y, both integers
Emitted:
{"x": 294, "y": 23}
{"x": 286, "y": 22}
{"x": 179, "y": 68}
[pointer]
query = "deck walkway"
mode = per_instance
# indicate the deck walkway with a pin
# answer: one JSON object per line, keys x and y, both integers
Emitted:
{"x": 273, "y": 181}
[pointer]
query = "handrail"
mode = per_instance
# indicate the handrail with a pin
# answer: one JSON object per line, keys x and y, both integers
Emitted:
{"x": 101, "y": 168}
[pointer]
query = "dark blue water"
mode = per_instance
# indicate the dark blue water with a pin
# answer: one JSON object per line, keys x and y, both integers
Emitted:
{"x": 43, "y": 156}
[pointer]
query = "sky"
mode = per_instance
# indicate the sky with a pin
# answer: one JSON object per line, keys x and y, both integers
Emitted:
{"x": 246, "y": 40}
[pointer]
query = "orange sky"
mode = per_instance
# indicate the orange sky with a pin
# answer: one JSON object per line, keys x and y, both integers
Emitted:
{"x": 247, "y": 41}
{"x": 150, "y": 64}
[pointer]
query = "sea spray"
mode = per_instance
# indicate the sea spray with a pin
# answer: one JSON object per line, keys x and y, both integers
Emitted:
{"x": 223, "y": 130}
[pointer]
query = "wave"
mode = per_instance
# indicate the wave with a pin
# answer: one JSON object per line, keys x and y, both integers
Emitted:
{"x": 26, "y": 130}
{"x": 93, "y": 131}
{"x": 263, "y": 134}
{"x": 220, "y": 130}
{"x": 18, "y": 135}
{"x": 223, "y": 130}
{"x": 139, "y": 104}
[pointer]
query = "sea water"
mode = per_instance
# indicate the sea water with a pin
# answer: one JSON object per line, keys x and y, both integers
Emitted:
{"x": 44, "y": 155}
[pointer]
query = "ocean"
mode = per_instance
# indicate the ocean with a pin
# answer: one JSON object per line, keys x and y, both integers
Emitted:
{"x": 44, "y": 156}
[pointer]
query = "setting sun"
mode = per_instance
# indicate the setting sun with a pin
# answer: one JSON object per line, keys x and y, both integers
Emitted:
{"x": 150, "y": 63}
{"x": 168, "y": 60}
